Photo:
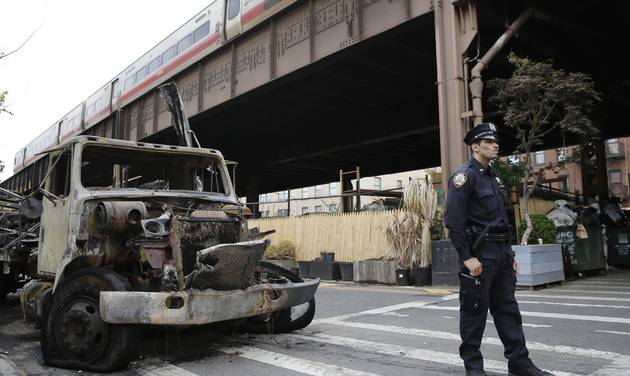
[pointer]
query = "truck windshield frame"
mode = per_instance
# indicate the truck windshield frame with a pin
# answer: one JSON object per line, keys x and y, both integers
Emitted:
{"x": 107, "y": 167}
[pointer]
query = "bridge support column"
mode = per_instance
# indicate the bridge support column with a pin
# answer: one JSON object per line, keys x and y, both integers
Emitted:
{"x": 455, "y": 29}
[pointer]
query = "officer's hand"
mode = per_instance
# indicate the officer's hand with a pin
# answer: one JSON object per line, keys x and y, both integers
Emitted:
{"x": 515, "y": 267}
{"x": 474, "y": 266}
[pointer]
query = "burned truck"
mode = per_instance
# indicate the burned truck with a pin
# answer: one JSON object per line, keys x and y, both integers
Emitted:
{"x": 121, "y": 235}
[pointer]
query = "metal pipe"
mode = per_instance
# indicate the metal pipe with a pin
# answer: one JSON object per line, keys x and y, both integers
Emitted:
{"x": 476, "y": 84}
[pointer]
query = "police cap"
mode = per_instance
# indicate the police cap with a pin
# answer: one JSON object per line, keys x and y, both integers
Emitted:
{"x": 483, "y": 131}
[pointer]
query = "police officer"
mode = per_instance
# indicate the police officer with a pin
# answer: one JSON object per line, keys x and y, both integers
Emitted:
{"x": 479, "y": 229}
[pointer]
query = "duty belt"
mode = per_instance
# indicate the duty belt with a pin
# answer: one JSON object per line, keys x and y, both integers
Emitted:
{"x": 497, "y": 237}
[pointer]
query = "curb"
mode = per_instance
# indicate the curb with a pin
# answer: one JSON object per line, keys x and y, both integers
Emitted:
{"x": 8, "y": 368}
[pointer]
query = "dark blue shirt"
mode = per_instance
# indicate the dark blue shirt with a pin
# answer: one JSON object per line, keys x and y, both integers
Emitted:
{"x": 474, "y": 198}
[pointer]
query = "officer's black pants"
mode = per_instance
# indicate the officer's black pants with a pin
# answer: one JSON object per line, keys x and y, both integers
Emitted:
{"x": 497, "y": 293}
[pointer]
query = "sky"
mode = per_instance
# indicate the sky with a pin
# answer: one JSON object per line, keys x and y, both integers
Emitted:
{"x": 77, "y": 47}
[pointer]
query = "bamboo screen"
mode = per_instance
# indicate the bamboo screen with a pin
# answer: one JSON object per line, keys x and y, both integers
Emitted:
{"x": 351, "y": 236}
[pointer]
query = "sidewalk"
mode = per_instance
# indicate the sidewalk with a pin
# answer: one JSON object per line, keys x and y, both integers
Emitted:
{"x": 8, "y": 368}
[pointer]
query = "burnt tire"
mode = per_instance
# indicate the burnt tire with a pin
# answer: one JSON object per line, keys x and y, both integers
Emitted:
{"x": 285, "y": 320}
{"x": 73, "y": 334}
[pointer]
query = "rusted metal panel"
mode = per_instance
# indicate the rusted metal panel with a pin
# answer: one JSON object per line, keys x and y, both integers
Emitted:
{"x": 381, "y": 15}
{"x": 336, "y": 26}
{"x": 292, "y": 42}
{"x": 252, "y": 61}
{"x": 134, "y": 112}
{"x": 216, "y": 82}
{"x": 188, "y": 85}
{"x": 420, "y": 7}
{"x": 164, "y": 119}
{"x": 201, "y": 307}
{"x": 148, "y": 113}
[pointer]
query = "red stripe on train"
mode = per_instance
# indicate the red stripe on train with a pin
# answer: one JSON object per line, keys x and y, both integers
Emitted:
{"x": 253, "y": 13}
{"x": 181, "y": 59}
{"x": 102, "y": 111}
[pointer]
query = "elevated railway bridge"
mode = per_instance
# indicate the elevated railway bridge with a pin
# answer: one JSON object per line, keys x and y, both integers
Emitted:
{"x": 295, "y": 90}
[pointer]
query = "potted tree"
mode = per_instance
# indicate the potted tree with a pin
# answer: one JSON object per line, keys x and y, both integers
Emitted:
{"x": 535, "y": 100}
{"x": 403, "y": 235}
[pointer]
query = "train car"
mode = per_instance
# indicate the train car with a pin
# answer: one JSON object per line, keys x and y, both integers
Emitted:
{"x": 18, "y": 161}
{"x": 213, "y": 27}
{"x": 72, "y": 123}
{"x": 48, "y": 139}
{"x": 197, "y": 38}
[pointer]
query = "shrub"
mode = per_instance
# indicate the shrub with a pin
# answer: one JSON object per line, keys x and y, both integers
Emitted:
{"x": 543, "y": 229}
{"x": 283, "y": 250}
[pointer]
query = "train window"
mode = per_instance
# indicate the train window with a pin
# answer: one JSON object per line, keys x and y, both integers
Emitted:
{"x": 202, "y": 31}
{"x": 154, "y": 64}
{"x": 184, "y": 43}
{"x": 168, "y": 54}
{"x": 141, "y": 74}
{"x": 128, "y": 82}
{"x": 234, "y": 7}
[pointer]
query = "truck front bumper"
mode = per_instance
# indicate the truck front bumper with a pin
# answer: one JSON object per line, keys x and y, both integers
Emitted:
{"x": 196, "y": 307}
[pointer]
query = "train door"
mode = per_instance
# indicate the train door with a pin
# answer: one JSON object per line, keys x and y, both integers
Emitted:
{"x": 115, "y": 94}
{"x": 233, "y": 26}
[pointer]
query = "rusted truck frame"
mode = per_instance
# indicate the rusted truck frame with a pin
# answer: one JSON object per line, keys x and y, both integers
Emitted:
{"x": 137, "y": 233}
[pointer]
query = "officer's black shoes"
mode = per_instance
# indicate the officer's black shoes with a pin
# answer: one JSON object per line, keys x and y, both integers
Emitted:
{"x": 530, "y": 371}
{"x": 476, "y": 372}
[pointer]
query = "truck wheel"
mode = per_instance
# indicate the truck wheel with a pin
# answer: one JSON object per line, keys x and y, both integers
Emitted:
{"x": 286, "y": 320}
{"x": 74, "y": 335}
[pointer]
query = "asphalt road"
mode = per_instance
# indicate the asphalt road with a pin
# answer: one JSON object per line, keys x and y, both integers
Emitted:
{"x": 579, "y": 328}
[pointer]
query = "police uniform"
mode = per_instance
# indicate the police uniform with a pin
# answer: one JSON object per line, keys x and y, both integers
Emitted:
{"x": 475, "y": 209}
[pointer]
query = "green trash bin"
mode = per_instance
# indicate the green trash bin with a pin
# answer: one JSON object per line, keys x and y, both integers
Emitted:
{"x": 583, "y": 254}
{"x": 618, "y": 246}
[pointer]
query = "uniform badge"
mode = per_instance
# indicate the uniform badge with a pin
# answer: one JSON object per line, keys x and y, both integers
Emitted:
{"x": 499, "y": 182}
{"x": 460, "y": 179}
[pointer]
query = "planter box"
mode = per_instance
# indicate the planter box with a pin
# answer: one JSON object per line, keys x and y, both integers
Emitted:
{"x": 347, "y": 272}
{"x": 444, "y": 264}
{"x": 304, "y": 268}
{"x": 324, "y": 270}
{"x": 375, "y": 271}
{"x": 539, "y": 264}
{"x": 290, "y": 265}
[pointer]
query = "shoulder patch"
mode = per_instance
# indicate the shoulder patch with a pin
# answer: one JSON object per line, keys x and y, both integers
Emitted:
{"x": 460, "y": 179}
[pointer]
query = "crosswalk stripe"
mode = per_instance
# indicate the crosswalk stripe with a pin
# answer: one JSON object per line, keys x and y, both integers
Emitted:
{"x": 616, "y": 284}
{"x": 613, "y": 332}
{"x": 565, "y": 316}
{"x": 407, "y": 352}
{"x": 594, "y": 291}
{"x": 157, "y": 367}
{"x": 520, "y": 301}
{"x": 572, "y": 297}
{"x": 559, "y": 349}
{"x": 301, "y": 365}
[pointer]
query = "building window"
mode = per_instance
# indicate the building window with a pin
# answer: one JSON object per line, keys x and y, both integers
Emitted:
{"x": 399, "y": 183}
{"x": 332, "y": 208}
{"x": 333, "y": 189}
{"x": 283, "y": 195}
{"x": 318, "y": 209}
{"x": 261, "y": 198}
{"x": 539, "y": 157}
{"x": 268, "y": 198}
{"x": 318, "y": 191}
{"x": 304, "y": 209}
{"x": 562, "y": 154}
{"x": 282, "y": 213}
{"x": 377, "y": 184}
{"x": 305, "y": 192}
{"x": 614, "y": 177}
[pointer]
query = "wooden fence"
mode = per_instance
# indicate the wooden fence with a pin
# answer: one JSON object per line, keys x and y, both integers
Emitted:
{"x": 351, "y": 236}
{"x": 536, "y": 206}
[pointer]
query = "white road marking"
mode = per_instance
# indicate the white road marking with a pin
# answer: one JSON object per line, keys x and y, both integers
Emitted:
{"x": 301, "y": 365}
{"x": 394, "y": 314}
{"x": 593, "y": 291}
{"x": 569, "y": 350}
{"x": 574, "y": 304}
{"x": 613, "y": 332}
{"x": 8, "y": 368}
{"x": 620, "y": 320}
{"x": 573, "y": 297}
{"x": 448, "y": 317}
{"x": 407, "y": 352}
{"x": 382, "y": 310}
{"x": 601, "y": 284}
{"x": 156, "y": 367}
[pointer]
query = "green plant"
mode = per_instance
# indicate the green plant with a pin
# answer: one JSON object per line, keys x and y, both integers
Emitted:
{"x": 283, "y": 250}
{"x": 543, "y": 228}
{"x": 538, "y": 99}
